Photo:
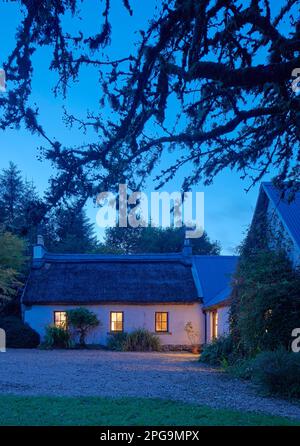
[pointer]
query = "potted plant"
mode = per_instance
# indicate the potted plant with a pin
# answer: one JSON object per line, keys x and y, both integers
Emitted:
{"x": 193, "y": 336}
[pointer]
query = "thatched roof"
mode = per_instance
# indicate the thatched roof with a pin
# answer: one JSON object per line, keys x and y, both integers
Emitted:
{"x": 87, "y": 279}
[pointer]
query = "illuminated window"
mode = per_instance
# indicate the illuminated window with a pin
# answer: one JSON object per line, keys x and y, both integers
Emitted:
{"x": 214, "y": 321}
{"x": 60, "y": 319}
{"x": 162, "y": 322}
{"x": 116, "y": 321}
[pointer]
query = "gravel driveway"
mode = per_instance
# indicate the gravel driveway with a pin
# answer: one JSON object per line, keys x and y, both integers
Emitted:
{"x": 177, "y": 376}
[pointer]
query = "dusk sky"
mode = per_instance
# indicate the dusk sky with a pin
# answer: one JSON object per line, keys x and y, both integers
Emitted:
{"x": 228, "y": 208}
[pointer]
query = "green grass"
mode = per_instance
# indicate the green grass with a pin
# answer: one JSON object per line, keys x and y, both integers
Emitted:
{"x": 93, "y": 411}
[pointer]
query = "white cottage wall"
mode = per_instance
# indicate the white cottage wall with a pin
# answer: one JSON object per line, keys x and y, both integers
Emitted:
{"x": 135, "y": 316}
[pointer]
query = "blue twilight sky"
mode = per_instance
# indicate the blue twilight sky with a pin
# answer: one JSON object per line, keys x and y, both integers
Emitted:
{"x": 228, "y": 208}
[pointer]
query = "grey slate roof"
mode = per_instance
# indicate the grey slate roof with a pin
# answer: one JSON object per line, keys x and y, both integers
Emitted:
{"x": 84, "y": 279}
{"x": 215, "y": 275}
{"x": 289, "y": 212}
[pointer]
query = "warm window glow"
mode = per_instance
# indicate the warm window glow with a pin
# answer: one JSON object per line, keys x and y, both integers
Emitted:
{"x": 116, "y": 321}
{"x": 215, "y": 321}
{"x": 162, "y": 321}
{"x": 60, "y": 319}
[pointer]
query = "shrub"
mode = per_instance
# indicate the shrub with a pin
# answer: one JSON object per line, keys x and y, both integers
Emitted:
{"x": 83, "y": 321}
{"x": 117, "y": 341}
{"x": 278, "y": 373}
{"x": 265, "y": 302}
{"x": 12, "y": 263}
{"x": 19, "y": 334}
{"x": 142, "y": 340}
{"x": 57, "y": 337}
{"x": 218, "y": 352}
{"x": 242, "y": 368}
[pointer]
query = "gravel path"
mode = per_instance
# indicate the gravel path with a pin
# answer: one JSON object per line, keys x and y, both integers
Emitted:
{"x": 177, "y": 376}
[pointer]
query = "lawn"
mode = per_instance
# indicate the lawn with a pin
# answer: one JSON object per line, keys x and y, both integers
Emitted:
{"x": 93, "y": 411}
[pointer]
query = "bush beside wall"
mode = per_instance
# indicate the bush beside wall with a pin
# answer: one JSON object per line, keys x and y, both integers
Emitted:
{"x": 56, "y": 337}
{"x": 140, "y": 340}
{"x": 143, "y": 341}
{"x": 218, "y": 352}
{"x": 117, "y": 341}
{"x": 19, "y": 334}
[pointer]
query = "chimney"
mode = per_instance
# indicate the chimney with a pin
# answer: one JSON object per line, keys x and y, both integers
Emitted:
{"x": 187, "y": 248}
{"x": 40, "y": 240}
{"x": 39, "y": 251}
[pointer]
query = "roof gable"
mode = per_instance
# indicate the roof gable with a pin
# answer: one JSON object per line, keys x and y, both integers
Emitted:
{"x": 288, "y": 212}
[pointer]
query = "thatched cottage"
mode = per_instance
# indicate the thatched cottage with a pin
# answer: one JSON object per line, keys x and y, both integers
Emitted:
{"x": 159, "y": 292}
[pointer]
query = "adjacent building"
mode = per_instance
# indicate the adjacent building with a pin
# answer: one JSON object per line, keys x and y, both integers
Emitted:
{"x": 278, "y": 220}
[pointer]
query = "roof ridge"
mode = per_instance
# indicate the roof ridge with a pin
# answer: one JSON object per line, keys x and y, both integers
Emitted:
{"x": 216, "y": 256}
{"x": 127, "y": 257}
{"x": 110, "y": 258}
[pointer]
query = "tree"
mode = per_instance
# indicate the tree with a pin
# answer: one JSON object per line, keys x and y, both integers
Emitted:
{"x": 21, "y": 209}
{"x": 265, "y": 303}
{"x": 121, "y": 240}
{"x": 11, "y": 195}
{"x": 82, "y": 320}
{"x": 32, "y": 212}
{"x": 12, "y": 263}
{"x": 68, "y": 229}
{"x": 155, "y": 240}
{"x": 226, "y": 68}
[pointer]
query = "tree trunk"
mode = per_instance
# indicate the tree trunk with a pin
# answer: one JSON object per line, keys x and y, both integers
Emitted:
{"x": 82, "y": 339}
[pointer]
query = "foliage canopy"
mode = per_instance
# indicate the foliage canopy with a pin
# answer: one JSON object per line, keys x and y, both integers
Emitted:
{"x": 224, "y": 66}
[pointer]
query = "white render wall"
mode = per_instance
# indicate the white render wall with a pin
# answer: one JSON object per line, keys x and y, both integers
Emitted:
{"x": 135, "y": 316}
{"x": 223, "y": 322}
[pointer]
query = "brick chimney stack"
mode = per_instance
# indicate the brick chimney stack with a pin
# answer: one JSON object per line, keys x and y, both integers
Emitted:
{"x": 39, "y": 251}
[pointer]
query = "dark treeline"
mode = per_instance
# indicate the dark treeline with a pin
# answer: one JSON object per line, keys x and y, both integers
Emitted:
{"x": 66, "y": 228}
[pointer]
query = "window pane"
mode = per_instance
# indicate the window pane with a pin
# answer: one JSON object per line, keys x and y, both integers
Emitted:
{"x": 119, "y": 325}
{"x": 161, "y": 321}
{"x": 60, "y": 319}
{"x": 116, "y": 321}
